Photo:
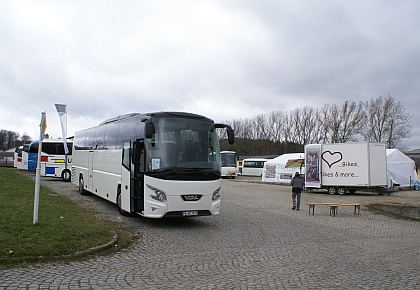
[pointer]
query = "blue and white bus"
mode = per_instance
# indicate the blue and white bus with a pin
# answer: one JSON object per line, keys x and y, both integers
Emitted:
{"x": 54, "y": 161}
{"x": 164, "y": 164}
{"x": 229, "y": 164}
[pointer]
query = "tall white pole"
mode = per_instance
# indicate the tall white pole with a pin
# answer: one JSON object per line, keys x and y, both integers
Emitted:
{"x": 38, "y": 172}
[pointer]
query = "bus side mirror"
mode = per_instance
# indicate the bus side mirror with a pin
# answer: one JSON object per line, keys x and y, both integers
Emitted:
{"x": 230, "y": 132}
{"x": 150, "y": 129}
{"x": 231, "y": 135}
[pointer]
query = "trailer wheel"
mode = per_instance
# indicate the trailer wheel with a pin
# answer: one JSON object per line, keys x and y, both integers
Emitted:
{"x": 119, "y": 204}
{"x": 341, "y": 190}
{"x": 332, "y": 190}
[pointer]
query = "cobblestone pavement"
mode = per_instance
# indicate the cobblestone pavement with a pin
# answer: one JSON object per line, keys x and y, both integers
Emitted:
{"x": 257, "y": 242}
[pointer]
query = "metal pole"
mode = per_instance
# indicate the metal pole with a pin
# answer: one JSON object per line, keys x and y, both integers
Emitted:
{"x": 65, "y": 165}
{"x": 38, "y": 176}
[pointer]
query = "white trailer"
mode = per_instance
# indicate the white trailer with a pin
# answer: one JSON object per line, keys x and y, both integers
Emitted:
{"x": 345, "y": 167}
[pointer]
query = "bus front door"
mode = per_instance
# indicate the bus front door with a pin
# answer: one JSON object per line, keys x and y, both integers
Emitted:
{"x": 123, "y": 196}
{"x": 137, "y": 177}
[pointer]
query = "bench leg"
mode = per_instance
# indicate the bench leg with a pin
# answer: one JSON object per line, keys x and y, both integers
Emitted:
{"x": 333, "y": 210}
{"x": 313, "y": 209}
{"x": 357, "y": 209}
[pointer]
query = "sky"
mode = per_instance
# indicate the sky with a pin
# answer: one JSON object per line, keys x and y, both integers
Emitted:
{"x": 222, "y": 59}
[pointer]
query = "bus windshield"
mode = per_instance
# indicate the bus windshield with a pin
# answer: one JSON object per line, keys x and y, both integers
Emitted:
{"x": 184, "y": 146}
{"x": 228, "y": 159}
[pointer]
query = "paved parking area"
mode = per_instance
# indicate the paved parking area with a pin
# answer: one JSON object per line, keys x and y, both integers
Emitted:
{"x": 257, "y": 242}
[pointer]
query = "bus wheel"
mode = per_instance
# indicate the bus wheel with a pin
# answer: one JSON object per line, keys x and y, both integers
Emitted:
{"x": 341, "y": 190}
{"x": 82, "y": 190}
{"x": 66, "y": 175}
{"x": 119, "y": 204}
{"x": 332, "y": 190}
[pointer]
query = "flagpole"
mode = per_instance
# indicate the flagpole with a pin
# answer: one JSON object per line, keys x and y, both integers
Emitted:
{"x": 38, "y": 169}
{"x": 62, "y": 114}
{"x": 65, "y": 136}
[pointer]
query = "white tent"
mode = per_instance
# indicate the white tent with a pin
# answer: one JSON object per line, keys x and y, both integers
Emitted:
{"x": 275, "y": 169}
{"x": 401, "y": 169}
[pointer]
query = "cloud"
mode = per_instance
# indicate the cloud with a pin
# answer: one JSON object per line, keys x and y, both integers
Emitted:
{"x": 223, "y": 59}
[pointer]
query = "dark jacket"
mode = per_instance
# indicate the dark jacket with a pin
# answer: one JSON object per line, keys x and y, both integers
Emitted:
{"x": 297, "y": 182}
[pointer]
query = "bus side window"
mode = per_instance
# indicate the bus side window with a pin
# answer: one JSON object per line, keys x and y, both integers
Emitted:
{"x": 126, "y": 154}
{"x": 138, "y": 155}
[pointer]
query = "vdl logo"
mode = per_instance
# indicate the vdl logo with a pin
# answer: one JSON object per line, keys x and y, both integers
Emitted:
{"x": 191, "y": 197}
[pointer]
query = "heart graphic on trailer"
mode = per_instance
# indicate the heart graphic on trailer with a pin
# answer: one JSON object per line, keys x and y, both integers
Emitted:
{"x": 331, "y": 158}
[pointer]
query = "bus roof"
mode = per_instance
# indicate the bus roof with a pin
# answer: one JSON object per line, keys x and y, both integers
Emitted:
{"x": 255, "y": 159}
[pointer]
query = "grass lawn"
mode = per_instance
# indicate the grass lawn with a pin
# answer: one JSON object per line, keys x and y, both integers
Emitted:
{"x": 63, "y": 228}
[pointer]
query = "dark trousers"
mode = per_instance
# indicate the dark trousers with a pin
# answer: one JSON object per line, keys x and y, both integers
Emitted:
{"x": 296, "y": 194}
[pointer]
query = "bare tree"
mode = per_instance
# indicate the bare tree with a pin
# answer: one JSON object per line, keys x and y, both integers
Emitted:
{"x": 277, "y": 126}
{"x": 3, "y": 139}
{"x": 305, "y": 127}
{"x": 323, "y": 124}
{"x": 352, "y": 116}
{"x": 345, "y": 122}
{"x": 386, "y": 121}
{"x": 379, "y": 120}
{"x": 8, "y": 139}
{"x": 264, "y": 126}
{"x": 26, "y": 139}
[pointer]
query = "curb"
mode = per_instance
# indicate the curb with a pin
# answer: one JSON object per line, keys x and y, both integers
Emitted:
{"x": 108, "y": 245}
{"x": 398, "y": 209}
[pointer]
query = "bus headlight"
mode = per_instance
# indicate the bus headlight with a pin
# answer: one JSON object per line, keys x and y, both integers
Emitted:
{"x": 216, "y": 194}
{"x": 158, "y": 194}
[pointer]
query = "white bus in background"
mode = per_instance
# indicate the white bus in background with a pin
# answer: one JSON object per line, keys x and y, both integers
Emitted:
{"x": 253, "y": 166}
{"x": 229, "y": 163}
{"x": 164, "y": 164}
{"x": 54, "y": 161}
{"x": 21, "y": 157}
{"x": 16, "y": 157}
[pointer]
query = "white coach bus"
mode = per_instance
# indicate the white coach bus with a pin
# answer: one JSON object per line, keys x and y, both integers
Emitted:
{"x": 156, "y": 165}
{"x": 229, "y": 164}
{"x": 253, "y": 166}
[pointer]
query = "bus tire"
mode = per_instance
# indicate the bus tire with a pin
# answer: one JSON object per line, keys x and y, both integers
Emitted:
{"x": 118, "y": 202}
{"x": 66, "y": 175}
{"x": 82, "y": 190}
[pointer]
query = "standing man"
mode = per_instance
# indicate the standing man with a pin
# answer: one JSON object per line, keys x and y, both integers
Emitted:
{"x": 297, "y": 186}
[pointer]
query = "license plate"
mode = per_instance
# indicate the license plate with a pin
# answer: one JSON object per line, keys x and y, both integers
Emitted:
{"x": 190, "y": 213}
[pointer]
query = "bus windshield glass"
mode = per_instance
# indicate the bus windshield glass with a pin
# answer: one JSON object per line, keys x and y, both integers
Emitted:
{"x": 228, "y": 159}
{"x": 183, "y": 146}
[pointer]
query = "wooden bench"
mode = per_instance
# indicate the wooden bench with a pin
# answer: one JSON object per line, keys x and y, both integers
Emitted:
{"x": 334, "y": 207}
{"x": 313, "y": 204}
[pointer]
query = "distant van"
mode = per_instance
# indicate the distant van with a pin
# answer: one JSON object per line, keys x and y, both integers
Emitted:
{"x": 253, "y": 166}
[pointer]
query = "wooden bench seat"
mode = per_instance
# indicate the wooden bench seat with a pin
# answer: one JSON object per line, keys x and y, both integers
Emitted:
{"x": 334, "y": 207}
{"x": 313, "y": 204}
